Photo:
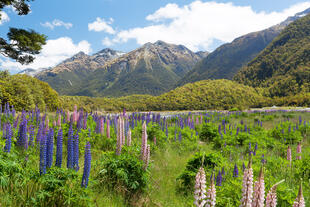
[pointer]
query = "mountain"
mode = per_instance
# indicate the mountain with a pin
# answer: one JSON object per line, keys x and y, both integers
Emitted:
{"x": 229, "y": 58}
{"x": 284, "y": 66}
{"x": 152, "y": 69}
{"x": 75, "y": 70}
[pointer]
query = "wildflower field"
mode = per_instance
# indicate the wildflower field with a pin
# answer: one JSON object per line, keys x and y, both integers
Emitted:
{"x": 205, "y": 158}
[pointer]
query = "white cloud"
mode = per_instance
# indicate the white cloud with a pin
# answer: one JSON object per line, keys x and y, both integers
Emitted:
{"x": 52, "y": 53}
{"x": 107, "y": 42}
{"x": 4, "y": 17}
{"x": 199, "y": 23}
{"x": 57, "y": 23}
{"x": 101, "y": 25}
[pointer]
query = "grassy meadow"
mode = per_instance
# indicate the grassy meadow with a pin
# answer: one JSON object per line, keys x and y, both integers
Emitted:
{"x": 79, "y": 159}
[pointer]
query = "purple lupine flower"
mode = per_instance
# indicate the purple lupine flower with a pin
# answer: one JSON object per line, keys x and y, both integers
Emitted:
{"x": 16, "y": 122}
{"x": 39, "y": 134}
{"x": 223, "y": 172}
{"x": 236, "y": 171}
{"x": 263, "y": 159}
{"x": 31, "y": 135}
{"x": 70, "y": 147}
{"x": 243, "y": 167}
{"x": 76, "y": 152}
{"x": 180, "y": 136}
{"x": 43, "y": 155}
{"x": 59, "y": 149}
{"x": 87, "y": 165}
{"x": 8, "y": 137}
{"x": 219, "y": 179}
{"x": 22, "y": 139}
{"x": 49, "y": 148}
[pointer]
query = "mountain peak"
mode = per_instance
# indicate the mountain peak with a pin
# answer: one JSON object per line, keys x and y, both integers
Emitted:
{"x": 106, "y": 55}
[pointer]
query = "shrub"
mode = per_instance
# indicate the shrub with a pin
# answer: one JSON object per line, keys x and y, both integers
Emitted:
{"x": 208, "y": 162}
{"x": 208, "y": 133}
{"x": 123, "y": 173}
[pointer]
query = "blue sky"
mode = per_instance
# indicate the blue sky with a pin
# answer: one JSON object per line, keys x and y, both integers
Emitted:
{"x": 73, "y": 25}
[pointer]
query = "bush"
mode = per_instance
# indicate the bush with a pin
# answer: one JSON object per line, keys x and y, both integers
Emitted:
{"x": 187, "y": 178}
{"x": 123, "y": 173}
{"x": 208, "y": 133}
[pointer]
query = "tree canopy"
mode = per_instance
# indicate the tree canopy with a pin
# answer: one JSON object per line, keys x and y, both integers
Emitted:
{"x": 20, "y": 44}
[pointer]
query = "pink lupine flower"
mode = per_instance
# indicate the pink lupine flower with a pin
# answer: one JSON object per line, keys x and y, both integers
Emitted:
{"x": 200, "y": 188}
{"x": 59, "y": 120}
{"x": 54, "y": 123}
{"x": 129, "y": 137}
{"x": 300, "y": 201}
{"x": 154, "y": 140}
{"x": 298, "y": 157}
{"x": 271, "y": 199}
{"x": 123, "y": 131}
{"x": 289, "y": 154}
{"x": 119, "y": 138}
{"x": 47, "y": 122}
{"x": 211, "y": 194}
{"x": 259, "y": 190}
{"x": 247, "y": 186}
{"x": 144, "y": 141}
{"x": 146, "y": 158}
{"x": 68, "y": 116}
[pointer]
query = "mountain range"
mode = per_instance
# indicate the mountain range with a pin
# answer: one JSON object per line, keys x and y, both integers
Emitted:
{"x": 229, "y": 58}
{"x": 159, "y": 67}
{"x": 152, "y": 69}
{"x": 284, "y": 66}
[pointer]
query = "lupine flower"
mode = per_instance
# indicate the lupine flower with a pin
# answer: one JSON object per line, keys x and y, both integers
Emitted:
{"x": 219, "y": 179}
{"x": 289, "y": 154}
{"x": 50, "y": 148}
{"x": 87, "y": 165}
{"x": 259, "y": 190}
{"x": 200, "y": 188}
{"x": 271, "y": 199}
{"x": 59, "y": 149}
{"x": 76, "y": 152}
{"x": 43, "y": 155}
{"x": 300, "y": 201}
{"x": 22, "y": 139}
{"x": 31, "y": 135}
{"x": 143, "y": 141}
{"x": 211, "y": 195}
{"x": 8, "y": 137}
{"x": 243, "y": 167}
{"x": 180, "y": 136}
{"x": 147, "y": 157}
{"x": 59, "y": 120}
{"x": 247, "y": 186}
{"x": 70, "y": 148}
{"x": 298, "y": 157}
{"x": 119, "y": 137}
{"x": 236, "y": 171}
{"x": 263, "y": 159}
